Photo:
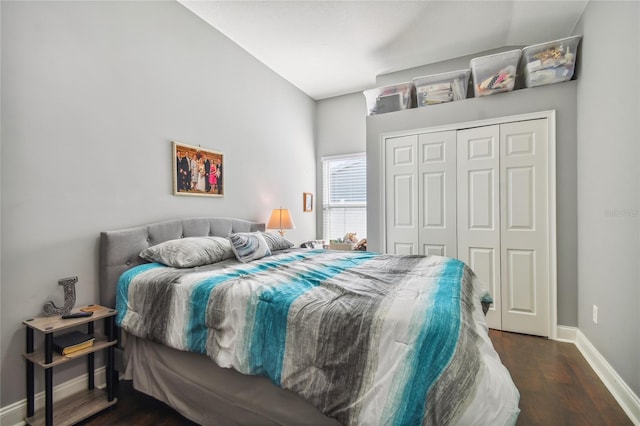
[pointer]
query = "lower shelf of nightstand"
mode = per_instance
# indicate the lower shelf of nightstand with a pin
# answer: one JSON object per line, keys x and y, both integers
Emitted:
{"x": 74, "y": 408}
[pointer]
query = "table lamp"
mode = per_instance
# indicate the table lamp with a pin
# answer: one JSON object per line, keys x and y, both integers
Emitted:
{"x": 281, "y": 219}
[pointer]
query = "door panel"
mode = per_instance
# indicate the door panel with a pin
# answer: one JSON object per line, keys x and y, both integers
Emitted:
{"x": 481, "y": 147}
{"x": 433, "y": 200}
{"x": 433, "y": 249}
{"x": 404, "y": 249}
{"x": 481, "y": 199}
{"x": 401, "y": 209}
{"x": 403, "y": 200}
{"x": 437, "y": 213}
{"x": 478, "y": 210}
{"x": 524, "y": 227}
{"x": 482, "y": 261}
{"x": 521, "y": 270}
{"x": 520, "y": 182}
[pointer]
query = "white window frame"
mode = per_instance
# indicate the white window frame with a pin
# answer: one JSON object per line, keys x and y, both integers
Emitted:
{"x": 326, "y": 205}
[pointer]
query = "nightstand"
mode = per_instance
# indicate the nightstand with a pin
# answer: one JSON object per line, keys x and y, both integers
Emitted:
{"x": 82, "y": 405}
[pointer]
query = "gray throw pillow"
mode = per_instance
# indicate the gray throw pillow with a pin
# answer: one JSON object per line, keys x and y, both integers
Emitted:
{"x": 276, "y": 242}
{"x": 189, "y": 252}
{"x": 249, "y": 246}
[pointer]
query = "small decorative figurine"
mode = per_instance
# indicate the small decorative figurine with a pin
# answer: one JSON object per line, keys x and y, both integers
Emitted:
{"x": 69, "y": 286}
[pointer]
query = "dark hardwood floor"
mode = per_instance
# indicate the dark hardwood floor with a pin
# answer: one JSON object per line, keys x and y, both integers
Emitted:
{"x": 137, "y": 409}
{"x": 557, "y": 387}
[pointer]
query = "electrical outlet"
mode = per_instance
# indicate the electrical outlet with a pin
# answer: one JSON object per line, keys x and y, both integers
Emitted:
{"x": 595, "y": 314}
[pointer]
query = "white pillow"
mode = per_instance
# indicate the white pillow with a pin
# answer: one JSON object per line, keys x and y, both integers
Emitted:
{"x": 189, "y": 252}
{"x": 249, "y": 246}
{"x": 276, "y": 241}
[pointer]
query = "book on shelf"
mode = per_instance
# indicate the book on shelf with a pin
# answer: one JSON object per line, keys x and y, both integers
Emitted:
{"x": 75, "y": 341}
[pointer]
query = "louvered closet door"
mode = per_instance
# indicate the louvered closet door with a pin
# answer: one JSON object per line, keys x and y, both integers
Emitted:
{"x": 437, "y": 199}
{"x": 524, "y": 229}
{"x": 401, "y": 200}
{"x": 479, "y": 209}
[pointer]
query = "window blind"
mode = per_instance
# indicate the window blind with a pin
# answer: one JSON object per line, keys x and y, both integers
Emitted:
{"x": 344, "y": 207}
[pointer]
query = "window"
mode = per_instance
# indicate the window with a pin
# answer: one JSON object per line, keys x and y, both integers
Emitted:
{"x": 344, "y": 196}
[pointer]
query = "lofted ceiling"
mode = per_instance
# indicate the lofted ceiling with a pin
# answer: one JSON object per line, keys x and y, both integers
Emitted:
{"x": 330, "y": 48}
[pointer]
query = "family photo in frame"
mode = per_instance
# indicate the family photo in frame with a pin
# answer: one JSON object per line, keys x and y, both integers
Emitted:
{"x": 197, "y": 171}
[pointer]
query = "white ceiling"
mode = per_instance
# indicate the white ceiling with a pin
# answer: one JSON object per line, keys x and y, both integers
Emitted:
{"x": 329, "y": 48}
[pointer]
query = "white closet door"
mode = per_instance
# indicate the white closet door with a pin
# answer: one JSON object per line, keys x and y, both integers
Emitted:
{"x": 437, "y": 199}
{"x": 524, "y": 227}
{"x": 479, "y": 209}
{"x": 401, "y": 201}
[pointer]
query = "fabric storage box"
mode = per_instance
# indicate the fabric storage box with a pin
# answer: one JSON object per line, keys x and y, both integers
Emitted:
{"x": 551, "y": 62}
{"x": 441, "y": 88}
{"x": 495, "y": 73}
{"x": 389, "y": 98}
{"x": 341, "y": 246}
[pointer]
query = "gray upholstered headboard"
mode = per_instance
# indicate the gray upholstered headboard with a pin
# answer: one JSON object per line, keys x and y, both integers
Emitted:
{"x": 119, "y": 249}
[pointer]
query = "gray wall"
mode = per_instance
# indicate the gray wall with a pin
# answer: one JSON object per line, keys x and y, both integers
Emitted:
{"x": 559, "y": 97}
{"x": 609, "y": 184}
{"x": 92, "y": 95}
{"x": 341, "y": 129}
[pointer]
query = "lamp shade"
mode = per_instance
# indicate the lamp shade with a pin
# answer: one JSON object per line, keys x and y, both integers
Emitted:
{"x": 281, "y": 219}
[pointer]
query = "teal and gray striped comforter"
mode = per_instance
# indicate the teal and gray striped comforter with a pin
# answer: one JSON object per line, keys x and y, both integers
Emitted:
{"x": 366, "y": 338}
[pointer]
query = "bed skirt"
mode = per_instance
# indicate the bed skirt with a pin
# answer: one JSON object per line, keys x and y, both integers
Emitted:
{"x": 201, "y": 391}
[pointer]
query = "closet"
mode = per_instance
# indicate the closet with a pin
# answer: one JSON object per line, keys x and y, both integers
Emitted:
{"x": 482, "y": 195}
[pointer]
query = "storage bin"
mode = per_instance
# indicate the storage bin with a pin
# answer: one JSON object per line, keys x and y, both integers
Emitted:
{"x": 441, "y": 88}
{"x": 341, "y": 246}
{"x": 495, "y": 73}
{"x": 389, "y": 98}
{"x": 551, "y": 62}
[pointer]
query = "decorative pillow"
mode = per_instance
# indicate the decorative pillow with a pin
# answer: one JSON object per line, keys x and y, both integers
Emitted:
{"x": 276, "y": 241}
{"x": 189, "y": 252}
{"x": 249, "y": 246}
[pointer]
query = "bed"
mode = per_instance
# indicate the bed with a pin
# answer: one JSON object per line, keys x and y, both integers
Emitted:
{"x": 302, "y": 337}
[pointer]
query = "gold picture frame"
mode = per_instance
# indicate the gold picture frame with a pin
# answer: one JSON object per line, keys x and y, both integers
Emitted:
{"x": 307, "y": 202}
{"x": 197, "y": 171}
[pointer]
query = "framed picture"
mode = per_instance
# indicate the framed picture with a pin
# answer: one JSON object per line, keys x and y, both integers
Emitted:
{"x": 197, "y": 171}
{"x": 307, "y": 201}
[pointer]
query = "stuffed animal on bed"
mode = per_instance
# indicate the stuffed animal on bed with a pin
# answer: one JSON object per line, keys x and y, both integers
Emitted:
{"x": 350, "y": 237}
{"x": 362, "y": 245}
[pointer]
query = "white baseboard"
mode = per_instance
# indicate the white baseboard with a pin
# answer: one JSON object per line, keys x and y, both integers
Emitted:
{"x": 627, "y": 399}
{"x": 566, "y": 334}
{"x": 14, "y": 414}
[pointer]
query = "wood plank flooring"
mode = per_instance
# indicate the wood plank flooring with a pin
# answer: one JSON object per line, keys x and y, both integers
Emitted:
{"x": 557, "y": 387}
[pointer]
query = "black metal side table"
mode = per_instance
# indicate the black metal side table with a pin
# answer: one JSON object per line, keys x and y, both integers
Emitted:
{"x": 82, "y": 405}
